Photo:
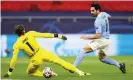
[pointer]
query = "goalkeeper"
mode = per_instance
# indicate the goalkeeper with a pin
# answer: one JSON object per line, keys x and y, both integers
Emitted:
{"x": 37, "y": 55}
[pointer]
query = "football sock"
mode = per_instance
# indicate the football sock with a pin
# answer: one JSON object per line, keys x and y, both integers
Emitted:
{"x": 79, "y": 57}
{"x": 110, "y": 61}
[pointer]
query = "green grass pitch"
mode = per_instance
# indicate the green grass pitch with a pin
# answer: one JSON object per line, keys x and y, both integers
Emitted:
{"x": 99, "y": 71}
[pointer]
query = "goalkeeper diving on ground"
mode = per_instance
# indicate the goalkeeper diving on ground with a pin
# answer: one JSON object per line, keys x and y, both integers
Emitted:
{"x": 37, "y": 55}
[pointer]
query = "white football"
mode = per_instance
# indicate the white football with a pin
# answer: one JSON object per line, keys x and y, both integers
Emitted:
{"x": 47, "y": 72}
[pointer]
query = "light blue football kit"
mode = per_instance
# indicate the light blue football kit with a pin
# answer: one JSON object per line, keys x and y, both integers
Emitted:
{"x": 101, "y": 26}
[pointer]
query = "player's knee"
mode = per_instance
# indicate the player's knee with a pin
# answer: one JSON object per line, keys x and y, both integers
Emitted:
{"x": 101, "y": 55}
{"x": 29, "y": 72}
{"x": 87, "y": 49}
{"x": 100, "y": 58}
{"x": 32, "y": 69}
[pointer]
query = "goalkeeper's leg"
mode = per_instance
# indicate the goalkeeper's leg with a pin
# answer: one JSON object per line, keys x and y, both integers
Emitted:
{"x": 68, "y": 66}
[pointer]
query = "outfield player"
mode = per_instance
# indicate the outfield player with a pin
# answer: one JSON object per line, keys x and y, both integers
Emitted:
{"x": 37, "y": 55}
{"x": 100, "y": 41}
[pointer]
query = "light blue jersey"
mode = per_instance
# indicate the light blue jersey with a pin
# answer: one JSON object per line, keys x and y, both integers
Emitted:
{"x": 102, "y": 24}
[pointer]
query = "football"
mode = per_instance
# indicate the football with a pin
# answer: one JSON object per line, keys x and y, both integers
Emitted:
{"x": 47, "y": 72}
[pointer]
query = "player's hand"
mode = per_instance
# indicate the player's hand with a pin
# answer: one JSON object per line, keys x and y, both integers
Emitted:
{"x": 6, "y": 75}
{"x": 84, "y": 37}
{"x": 61, "y": 36}
{"x": 64, "y": 38}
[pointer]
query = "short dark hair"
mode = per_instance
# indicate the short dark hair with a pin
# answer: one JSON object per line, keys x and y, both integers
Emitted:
{"x": 96, "y": 6}
{"x": 19, "y": 29}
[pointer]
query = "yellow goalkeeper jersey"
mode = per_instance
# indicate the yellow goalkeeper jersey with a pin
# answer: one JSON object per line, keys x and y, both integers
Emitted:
{"x": 28, "y": 44}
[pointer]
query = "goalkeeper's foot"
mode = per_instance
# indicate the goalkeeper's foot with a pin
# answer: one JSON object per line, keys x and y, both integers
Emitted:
{"x": 54, "y": 74}
{"x": 84, "y": 74}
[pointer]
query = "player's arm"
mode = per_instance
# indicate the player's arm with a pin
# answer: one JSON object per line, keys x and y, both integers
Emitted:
{"x": 96, "y": 36}
{"x": 108, "y": 16}
{"x": 98, "y": 28}
{"x": 49, "y": 35}
{"x": 13, "y": 62}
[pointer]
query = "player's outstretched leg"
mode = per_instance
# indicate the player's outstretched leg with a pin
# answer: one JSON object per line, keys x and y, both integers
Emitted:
{"x": 68, "y": 66}
{"x": 106, "y": 60}
{"x": 81, "y": 55}
{"x": 33, "y": 70}
{"x": 50, "y": 57}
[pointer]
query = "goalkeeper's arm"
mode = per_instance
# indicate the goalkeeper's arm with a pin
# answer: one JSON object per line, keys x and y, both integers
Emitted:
{"x": 12, "y": 63}
{"x": 48, "y": 35}
{"x": 60, "y": 36}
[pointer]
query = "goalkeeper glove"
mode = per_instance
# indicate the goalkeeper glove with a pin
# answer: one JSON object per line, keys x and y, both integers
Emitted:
{"x": 60, "y": 36}
{"x": 8, "y": 73}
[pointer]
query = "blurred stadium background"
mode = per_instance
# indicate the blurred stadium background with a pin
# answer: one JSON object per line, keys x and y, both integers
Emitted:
{"x": 71, "y": 18}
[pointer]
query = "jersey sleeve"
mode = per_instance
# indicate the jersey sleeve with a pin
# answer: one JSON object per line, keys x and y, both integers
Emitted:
{"x": 45, "y": 35}
{"x": 107, "y": 15}
{"x": 15, "y": 55}
{"x": 98, "y": 26}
